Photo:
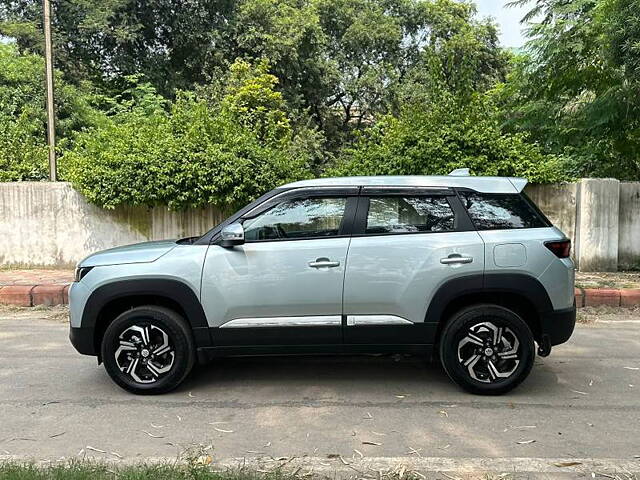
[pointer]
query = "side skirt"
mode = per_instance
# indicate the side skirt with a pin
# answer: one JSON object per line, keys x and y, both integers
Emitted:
{"x": 207, "y": 354}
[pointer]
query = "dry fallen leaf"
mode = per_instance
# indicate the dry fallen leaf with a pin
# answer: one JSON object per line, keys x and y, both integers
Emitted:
{"x": 204, "y": 459}
{"x": 567, "y": 464}
{"x": 94, "y": 449}
{"x": 449, "y": 476}
{"x": 444, "y": 412}
{"x": 368, "y": 416}
{"x": 519, "y": 427}
{"x": 524, "y": 442}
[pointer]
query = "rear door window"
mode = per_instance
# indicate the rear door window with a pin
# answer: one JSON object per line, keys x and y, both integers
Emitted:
{"x": 398, "y": 214}
{"x": 496, "y": 211}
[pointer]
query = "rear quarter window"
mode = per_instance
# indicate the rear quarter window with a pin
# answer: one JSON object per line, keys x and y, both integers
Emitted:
{"x": 493, "y": 211}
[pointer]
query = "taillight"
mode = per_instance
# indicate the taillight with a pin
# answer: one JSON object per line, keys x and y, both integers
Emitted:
{"x": 561, "y": 249}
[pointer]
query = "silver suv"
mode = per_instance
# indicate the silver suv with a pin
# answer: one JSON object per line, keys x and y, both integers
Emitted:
{"x": 465, "y": 269}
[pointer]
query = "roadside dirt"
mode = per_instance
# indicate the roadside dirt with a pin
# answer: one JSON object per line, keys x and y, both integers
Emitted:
{"x": 608, "y": 279}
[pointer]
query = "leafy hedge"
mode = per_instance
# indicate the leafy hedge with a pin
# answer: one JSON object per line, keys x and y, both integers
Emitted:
{"x": 222, "y": 151}
{"x": 23, "y": 150}
{"x": 444, "y": 133}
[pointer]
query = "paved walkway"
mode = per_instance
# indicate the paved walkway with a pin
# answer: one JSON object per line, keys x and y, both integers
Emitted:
{"x": 39, "y": 276}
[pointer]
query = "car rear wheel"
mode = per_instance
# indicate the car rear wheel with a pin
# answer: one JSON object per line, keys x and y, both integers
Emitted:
{"x": 148, "y": 350}
{"x": 487, "y": 349}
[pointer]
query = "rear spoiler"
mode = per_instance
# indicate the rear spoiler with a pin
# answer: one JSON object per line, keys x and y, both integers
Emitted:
{"x": 518, "y": 183}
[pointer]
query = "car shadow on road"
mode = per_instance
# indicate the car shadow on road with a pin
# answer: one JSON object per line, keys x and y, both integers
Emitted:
{"x": 344, "y": 376}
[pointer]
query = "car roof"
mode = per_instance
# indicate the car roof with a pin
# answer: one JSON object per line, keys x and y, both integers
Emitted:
{"x": 479, "y": 184}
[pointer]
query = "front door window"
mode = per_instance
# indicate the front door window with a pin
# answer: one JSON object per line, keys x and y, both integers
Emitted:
{"x": 299, "y": 218}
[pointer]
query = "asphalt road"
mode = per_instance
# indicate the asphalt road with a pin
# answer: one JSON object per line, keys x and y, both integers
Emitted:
{"x": 581, "y": 402}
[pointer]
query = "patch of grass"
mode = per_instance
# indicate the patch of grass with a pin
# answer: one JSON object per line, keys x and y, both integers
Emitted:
{"x": 86, "y": 470}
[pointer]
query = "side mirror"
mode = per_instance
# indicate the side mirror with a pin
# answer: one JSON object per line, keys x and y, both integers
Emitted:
{"x": 232, "y": 235}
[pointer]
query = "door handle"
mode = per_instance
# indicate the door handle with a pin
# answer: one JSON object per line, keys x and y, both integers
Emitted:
{"x": 324, "y": 262}
{"x": 455, "y": 258}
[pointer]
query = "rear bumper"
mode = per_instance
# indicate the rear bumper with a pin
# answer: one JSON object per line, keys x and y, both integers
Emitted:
{"x": 558, "y": 325}
{"x": 82, "y": 340}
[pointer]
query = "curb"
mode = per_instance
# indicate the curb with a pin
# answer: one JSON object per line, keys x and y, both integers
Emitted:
{"x": 367, "y": 467}
{"x": 58, "y": 294}
{"x": 593, "y": 297}
{"x": 32, "y": 295}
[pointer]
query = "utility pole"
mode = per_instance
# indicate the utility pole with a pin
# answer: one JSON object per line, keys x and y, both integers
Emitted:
{"x": 48, "y": 62}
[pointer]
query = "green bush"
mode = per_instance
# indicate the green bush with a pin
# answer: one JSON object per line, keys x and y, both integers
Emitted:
{"x": 442, "y": 134}
{"x": 197, "y": 153}
{"x": 23, "y": 150}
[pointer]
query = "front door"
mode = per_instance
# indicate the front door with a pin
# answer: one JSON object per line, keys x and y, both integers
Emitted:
{"x": 284, "y": 285}
{"x": 406, "y": 245}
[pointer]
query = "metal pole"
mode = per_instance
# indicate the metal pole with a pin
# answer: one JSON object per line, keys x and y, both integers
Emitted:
{"x": 48, "y": 62}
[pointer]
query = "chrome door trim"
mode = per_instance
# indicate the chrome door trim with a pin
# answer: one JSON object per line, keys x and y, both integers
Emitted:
{"x": 261, "y": 322}
{"x": 359, "y": 320}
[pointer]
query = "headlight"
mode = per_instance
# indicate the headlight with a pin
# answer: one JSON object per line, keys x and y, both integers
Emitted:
{"x": 81, "y": 272}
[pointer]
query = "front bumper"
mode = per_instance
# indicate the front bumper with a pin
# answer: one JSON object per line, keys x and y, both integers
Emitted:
{"x": 82, "y": 339}
{"x": 558, "y": 325}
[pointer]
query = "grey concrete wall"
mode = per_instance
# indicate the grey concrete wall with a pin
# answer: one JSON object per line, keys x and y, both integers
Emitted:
{"x": 52, "y": 225}
{"x": 558, "y": 202}
{"x": 629, "y": 226}
{"x": 597, "y": 224}
{"x": 45, "y": 224}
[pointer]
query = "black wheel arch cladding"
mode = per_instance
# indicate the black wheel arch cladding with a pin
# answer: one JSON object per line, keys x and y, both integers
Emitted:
{"x": 173, "y": 290}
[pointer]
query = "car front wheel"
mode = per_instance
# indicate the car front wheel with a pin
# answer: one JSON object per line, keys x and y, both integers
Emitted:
{"x": 487, "y": 349}
{"x": 148, "y": 350}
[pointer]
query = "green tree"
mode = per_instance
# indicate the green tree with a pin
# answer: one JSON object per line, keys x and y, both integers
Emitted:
{"x": 196, "y": 153}
{"x": 576, "y": 93}
{"x": 448, "y": 132}
{"x": 23, "y": 150}
{"x": 174, "y": 44}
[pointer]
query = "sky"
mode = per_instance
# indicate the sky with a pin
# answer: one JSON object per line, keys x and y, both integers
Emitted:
{"x": 507, "y": 18}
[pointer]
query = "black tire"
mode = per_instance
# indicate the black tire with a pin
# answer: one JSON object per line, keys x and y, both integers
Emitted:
{"x": 487, "y": 381}
{"x": 179, "y": 359}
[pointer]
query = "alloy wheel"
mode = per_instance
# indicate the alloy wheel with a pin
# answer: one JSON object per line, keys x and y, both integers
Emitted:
{"x": 145, "y": 353}
{"x": 489, "y": 353}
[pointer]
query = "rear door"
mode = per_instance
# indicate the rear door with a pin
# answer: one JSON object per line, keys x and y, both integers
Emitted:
{"x": 407, "y": 242}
